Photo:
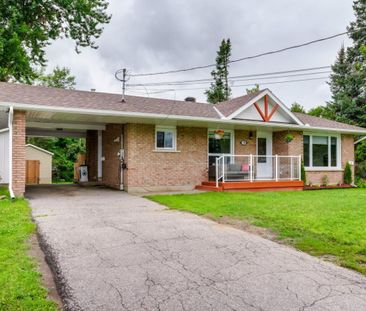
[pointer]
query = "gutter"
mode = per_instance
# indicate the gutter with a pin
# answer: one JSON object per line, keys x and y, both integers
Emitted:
{"x": 10, "y": 127}
{"x": 154, "y": 116}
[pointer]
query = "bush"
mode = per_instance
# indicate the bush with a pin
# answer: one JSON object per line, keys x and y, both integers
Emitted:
{"x": 325, "y": 180}
{"x": 303, "y": 173}
{"x": 360, "y": 182}
{"x": 361, "y": 169}
{"x": 347, "y": 174}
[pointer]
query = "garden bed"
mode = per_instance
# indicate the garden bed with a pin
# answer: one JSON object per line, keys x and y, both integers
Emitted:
{"x": 328, "y": 187}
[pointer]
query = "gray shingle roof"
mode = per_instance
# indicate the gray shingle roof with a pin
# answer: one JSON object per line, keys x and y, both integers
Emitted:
{"x": 54, "y": 97}
{"x": 321, "y": 122}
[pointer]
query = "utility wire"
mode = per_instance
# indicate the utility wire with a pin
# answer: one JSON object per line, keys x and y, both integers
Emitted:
{"x": 156, "y": 91}
{"x": 243, "y": 58}
{"x": 183, "y": 83}
{"x": 235, "y": 77}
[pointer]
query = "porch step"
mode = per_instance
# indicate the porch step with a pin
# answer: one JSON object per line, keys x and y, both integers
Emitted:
{"x": 252, "y": 186}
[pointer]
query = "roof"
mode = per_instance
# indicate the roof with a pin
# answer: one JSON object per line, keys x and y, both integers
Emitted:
{"x": 321, "y": 122}
{"x": 86, "y": 101}
{"x": 230, "y": 106}
{"x": 39, "y": 95}
{"x": 39, "y": 149}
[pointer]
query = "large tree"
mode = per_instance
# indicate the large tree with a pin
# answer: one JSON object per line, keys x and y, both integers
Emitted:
{"x": 220, "y": 89}
{"x": 296, "y": 107}
{"x": 59, "y": 77}
{"x": 28, "y": 27}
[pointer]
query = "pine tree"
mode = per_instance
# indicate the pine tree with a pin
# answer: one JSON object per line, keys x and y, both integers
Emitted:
{"x": 296, "y": 107}
{"x": 219, "y": 90}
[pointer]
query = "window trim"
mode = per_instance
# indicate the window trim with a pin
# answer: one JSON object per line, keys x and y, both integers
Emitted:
{"x": 232, "y": 142}
{"x": 171, "y": 129}
{"x": 338, "y": 167}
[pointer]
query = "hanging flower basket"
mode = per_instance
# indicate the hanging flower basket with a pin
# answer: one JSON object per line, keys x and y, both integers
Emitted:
{"x": 219, "y": 134}
{"x": 289, "y": 138}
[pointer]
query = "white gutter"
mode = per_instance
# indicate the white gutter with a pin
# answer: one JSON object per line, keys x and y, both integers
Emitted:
{"x": 361, "y": 139}
{"x": 99, "y": 112}
{"x": 10, "y": 126}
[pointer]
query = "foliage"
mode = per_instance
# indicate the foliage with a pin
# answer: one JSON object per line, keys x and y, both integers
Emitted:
{"x": 296, "y": 107}
{"x": 253, "y": 89}
{"x": 20, "y": 283}
{"x": 322, "y": 112}
{"x": 347, "y": 178}
{"x": 325, "y": 180}
{"x": 60, "y": 78}
{"x": 360, "y": 182}
{"x": 28, "y": 27}
{"x": 303, "y": 173}
{"x": 220, "y": 90}
{"x": 289, "y": 138}
{"x": 65, "y": 152}
{"x": 322, "y": 222}
{"x": 361, "y": 169}
{"x": 360, "y": 153}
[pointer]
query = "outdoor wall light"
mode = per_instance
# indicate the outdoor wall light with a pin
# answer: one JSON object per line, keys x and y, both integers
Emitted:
{"x": 250, "y": 135}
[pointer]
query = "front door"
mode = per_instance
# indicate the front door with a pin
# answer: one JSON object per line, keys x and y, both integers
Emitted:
{"x": 264, "y": 158}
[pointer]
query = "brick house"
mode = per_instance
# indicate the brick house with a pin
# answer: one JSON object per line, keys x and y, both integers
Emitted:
{"x": 147, "y": 144}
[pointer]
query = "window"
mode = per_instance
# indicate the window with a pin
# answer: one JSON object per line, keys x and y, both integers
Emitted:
{"x": 262, "y": 149}
{"x": 165, "y": 138}
{"x": 219, "y": 146}
{"x": 321, "y": 151}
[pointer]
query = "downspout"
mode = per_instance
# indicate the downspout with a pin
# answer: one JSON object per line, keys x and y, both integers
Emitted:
{"x": 10, "y": 126}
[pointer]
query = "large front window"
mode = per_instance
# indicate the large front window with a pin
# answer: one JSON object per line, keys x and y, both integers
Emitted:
{"x": 321, "y": 151}
{"x": 219, "y": 146}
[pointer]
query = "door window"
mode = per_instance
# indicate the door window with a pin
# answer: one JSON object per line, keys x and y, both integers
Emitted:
{"x": 262, "y": 149}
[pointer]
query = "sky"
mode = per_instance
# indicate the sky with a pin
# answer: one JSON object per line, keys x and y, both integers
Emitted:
{"x": 149, "y": 36}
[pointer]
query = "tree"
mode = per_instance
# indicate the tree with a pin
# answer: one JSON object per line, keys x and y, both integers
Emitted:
{"x": 28, "y": 27}
{"x": 321, "y": 111}
{"x": 253, "y": 89}
{"x": 219, "y": 90}
{"x": 60, "y": 78}
{"x": 296, "y": 107}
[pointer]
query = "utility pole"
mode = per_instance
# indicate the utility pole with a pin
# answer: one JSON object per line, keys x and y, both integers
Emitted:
{"x": 123, "y": 84}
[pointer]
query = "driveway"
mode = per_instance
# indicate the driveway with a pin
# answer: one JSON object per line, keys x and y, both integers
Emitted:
{"x": 115, "y": 251}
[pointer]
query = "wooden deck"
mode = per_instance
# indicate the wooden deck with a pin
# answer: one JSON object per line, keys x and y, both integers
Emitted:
{"x": 254, "y": 186}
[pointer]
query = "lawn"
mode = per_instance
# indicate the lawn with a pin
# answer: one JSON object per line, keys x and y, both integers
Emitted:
{"x": 329, "y": 223}
{"x": 20, "y": 283}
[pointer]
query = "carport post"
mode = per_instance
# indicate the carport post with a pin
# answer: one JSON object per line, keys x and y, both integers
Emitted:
{"x": 100, "y": 154}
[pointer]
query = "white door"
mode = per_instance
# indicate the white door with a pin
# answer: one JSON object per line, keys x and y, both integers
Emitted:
{"x": 264, "y": 153}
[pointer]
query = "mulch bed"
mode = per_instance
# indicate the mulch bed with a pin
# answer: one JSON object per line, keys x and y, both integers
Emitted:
{"x": 328, "y": 187}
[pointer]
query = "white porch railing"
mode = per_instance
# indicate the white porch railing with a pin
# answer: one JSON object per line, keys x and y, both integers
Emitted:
{"x": 257, "y": 167}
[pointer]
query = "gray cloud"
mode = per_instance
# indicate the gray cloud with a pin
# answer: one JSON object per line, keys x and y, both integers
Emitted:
{"x": 147, "y": 36}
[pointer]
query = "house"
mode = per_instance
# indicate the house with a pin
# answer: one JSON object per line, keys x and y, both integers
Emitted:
{"x": 38, "y": 165}
{"x": 148, "y": 144}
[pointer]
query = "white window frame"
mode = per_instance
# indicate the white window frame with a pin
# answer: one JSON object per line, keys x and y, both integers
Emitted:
{"x": 339, "y": 152}
{"x": 167, "y": 129}
{"x": 232, "y": 142}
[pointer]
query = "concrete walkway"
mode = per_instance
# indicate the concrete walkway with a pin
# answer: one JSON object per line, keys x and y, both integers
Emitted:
{"x": 114, "y": 251}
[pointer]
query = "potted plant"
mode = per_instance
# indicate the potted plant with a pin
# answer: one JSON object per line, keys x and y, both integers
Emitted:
{"x": 289, "y": 138}
{"x": 219, "y": 134}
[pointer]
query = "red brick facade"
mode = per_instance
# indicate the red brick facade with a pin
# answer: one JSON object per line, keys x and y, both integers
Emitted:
{"x": 150, "y": 170}
{"x": 250, "y": 147}
{"x": 19, "y": 153}
{"x": 281, "y": 147}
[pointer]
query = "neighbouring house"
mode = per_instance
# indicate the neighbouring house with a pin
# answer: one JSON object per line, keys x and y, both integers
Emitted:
{"x": 148, "y": 144}
{"x": 38, "y": 165}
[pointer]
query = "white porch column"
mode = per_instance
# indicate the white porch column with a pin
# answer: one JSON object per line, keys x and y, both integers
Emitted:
{"x": 100, "y": 154}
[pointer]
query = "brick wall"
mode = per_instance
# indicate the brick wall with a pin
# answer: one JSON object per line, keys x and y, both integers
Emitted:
{"x": 336, "y": 176}
{"x": 149, "y": 170}
{"x": 19, "y": 153}
{"x": 250, "y": 147}
{"x": 92, "y": 154}
{"x": 281, "y": 147}
{"x": 111, "y": 142}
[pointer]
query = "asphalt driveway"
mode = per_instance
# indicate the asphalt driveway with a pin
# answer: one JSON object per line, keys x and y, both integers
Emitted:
{"x": 114, "y": 251}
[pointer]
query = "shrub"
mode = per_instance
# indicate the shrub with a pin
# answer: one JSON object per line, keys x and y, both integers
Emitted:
{"x": 361, "y": 169}
{"x": 325, "y": 180}
{"x": 360, "y": 182}
{"x": 347, "y": 174}
{"x": 303, "y": 173}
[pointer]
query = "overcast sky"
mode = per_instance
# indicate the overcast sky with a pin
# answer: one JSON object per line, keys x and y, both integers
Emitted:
{"x": 150, "y": 36}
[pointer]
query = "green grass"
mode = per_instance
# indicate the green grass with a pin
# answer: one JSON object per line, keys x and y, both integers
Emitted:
{"x": 20, "y": 283}
{"x": 322, "y": 222}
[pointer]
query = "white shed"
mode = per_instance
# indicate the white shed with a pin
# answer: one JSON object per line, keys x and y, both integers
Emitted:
{"x": 4, "y": 156}
{"x": 44, "y": 169}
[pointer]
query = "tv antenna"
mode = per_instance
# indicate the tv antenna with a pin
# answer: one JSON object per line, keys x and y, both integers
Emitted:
{"x": 125, "y": 77}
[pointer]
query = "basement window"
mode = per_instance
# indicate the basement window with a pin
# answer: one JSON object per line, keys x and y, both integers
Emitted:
{"x": 165, "y": 138}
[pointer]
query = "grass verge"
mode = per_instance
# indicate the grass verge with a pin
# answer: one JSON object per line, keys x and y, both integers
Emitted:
{"x": 329, "y": 223}
{"x": 20, "y": 283}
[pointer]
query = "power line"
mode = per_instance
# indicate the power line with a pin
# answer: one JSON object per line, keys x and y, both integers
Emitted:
{"x": 156, "y": 91}
{"x": 243, "y": 58}
{"x": 183, "y": 83}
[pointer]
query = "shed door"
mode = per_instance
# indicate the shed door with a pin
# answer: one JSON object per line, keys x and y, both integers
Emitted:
{"x": 32, "y": 172}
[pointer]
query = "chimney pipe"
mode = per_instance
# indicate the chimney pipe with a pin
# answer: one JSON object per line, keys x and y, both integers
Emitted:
{"x": 190, "y": 99}
{"x": 92, "y": 90}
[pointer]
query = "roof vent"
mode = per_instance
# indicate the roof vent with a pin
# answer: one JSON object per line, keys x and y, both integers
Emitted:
{"x": 92, "y": 90}
{"x": 190, "y": 99}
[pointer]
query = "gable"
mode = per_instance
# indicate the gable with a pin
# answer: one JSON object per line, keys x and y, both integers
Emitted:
{"x": 266, "y": 108}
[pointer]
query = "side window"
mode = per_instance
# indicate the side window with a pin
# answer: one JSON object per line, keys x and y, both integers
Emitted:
{"x": 165, "y": 138}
